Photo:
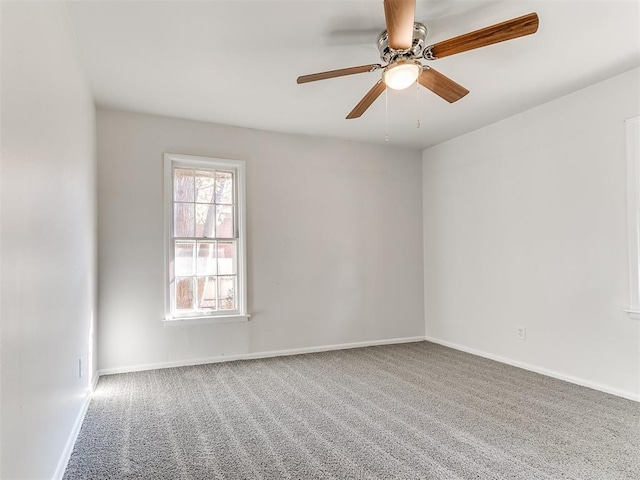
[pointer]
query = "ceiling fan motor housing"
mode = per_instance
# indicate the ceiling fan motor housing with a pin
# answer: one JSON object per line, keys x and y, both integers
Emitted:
{"x": 389, "y": 55}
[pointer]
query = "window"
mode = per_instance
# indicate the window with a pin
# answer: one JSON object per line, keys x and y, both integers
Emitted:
{"x": 633, "y": 209}
{"x": 205, "y": 247}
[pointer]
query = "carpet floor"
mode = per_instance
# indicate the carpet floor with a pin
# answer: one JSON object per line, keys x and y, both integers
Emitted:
{"x": 409, "y": 411}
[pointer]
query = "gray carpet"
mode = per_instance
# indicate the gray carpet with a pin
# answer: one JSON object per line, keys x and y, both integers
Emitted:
{"x": 408, "y": 411}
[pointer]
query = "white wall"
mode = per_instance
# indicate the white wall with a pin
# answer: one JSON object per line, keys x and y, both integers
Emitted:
{"x": 525, "y": 224}
{"x": 334, "y": 241}
{"x": 48, "y": 221}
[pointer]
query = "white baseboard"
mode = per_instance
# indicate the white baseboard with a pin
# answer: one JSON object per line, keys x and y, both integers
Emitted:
{"x": 73, "y": 436}
{"x": 251, "y": 356}
{"x": 550, "y": 373}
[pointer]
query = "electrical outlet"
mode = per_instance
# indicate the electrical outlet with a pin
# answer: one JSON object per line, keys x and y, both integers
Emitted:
{"x": 521, "y": 333}
{"x": 80, "y": 368}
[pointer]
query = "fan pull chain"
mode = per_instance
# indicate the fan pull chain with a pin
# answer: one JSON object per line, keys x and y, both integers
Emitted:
{"x": 418, "y": 103}
{"x": 386, "y": 115}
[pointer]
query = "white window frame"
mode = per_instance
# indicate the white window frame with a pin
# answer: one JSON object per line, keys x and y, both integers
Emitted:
{"x": 633, "y": 212}
{"x": 172, "y": 160}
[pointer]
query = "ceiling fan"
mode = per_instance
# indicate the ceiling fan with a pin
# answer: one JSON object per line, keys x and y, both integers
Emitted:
{"x": 403, "y": 44}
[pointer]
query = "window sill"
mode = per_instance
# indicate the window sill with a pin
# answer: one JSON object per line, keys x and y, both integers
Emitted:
{"x": 179, "y": 321}
{"x": 633, "y": 314}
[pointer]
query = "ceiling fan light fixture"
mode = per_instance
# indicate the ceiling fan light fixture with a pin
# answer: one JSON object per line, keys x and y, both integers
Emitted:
{"x": 401, "y": 75}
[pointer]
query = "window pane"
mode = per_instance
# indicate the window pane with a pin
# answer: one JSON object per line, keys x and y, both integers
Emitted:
{"x": 226, "y": 258}
{"x": 184, "y": 259}
{"x": 206, "y": 258}
{"x": 224, "y": 221}
{"x": 227, "y": 293}
{"x": 224, "y": 187}
{"x": 207, "y": 293}
{"x": 184, "y": 293}
{"x": 205, "y": 216}
{"x": 183, "y": 185}
{"x": 205, "y": 183}
{"x": 183, "y": 220}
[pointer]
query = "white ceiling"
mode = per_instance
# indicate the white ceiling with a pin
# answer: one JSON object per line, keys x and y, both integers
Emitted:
{"x": 236, "y": 62}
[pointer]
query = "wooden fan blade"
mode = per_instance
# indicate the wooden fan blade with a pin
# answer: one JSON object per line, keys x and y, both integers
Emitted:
{"x": 514, "y": 28}
{"x": 338, "y": 73}
{"x": 399, "y": 15}
{"x": 440, "y": 85}
{"x": 367, "y": 100}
